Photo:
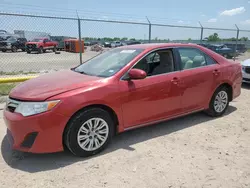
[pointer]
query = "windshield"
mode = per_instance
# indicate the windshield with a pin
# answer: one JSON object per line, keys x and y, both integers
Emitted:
{"x": 11, "y": 39}
{"x": 108, "y": 63}
{"x": 37, "y": 40}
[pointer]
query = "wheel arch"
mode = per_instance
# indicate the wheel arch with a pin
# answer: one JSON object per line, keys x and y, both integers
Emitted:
{"x": 101, "y": 106}
{"x": 228, "y": 86}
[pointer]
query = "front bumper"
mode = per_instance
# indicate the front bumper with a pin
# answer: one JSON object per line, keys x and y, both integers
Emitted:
{"x": 42, "y": 133}
{"x": 245, "y": 77}
{"x": 5, "y": 47}
{"x": 31, "y": 47}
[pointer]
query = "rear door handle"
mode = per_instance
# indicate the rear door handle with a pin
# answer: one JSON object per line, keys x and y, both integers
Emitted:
{"x": 216, "y": 72}
{"x": 175, "y": 80}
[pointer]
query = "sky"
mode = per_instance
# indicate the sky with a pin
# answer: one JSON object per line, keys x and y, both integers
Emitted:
{"x": 220, "y": 13}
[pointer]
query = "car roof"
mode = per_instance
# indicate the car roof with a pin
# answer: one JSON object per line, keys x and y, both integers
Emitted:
{"x": 160, "y": 45}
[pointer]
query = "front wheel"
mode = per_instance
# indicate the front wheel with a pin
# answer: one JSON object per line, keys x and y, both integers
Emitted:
{"x": 89, "y": 132}
{"x": 219, "y": 102}
{"x": 40, "y": 50}
{"x": 54, "y": 49}
{"x": 14, "y": 49}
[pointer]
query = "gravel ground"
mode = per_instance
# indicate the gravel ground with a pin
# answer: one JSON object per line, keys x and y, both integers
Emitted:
{"x": 21, "y": 61}
{"x": 193, "y": 151}
{"x": 243, "y": 56}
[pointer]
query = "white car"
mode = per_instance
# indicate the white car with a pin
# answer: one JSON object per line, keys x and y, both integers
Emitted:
{"x": 246, "y": 71}
{"x": 116, "y": 44}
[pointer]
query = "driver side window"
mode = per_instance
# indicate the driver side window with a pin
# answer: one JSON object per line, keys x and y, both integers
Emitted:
{"x": 156, "y": 63}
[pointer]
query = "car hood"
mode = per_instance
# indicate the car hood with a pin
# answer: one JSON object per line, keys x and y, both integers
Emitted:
{"x": 51, "y": 84}
{"x": 246, "y": 62}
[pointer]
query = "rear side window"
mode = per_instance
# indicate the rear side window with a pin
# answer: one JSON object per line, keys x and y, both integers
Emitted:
{"x": 194, "y": 58}
{"x": 209, "y": 60}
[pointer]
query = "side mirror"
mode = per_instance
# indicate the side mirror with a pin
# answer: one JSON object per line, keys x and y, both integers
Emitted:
{"x": 137, "y": 74}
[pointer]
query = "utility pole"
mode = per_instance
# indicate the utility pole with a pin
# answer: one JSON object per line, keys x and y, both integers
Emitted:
{"x": 149, "y": 30}
{"x": 201, "y": 37}
{"x": 80, "y": 37}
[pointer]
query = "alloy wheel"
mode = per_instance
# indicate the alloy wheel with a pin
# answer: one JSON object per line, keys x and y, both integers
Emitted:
{"x": 93, "y": 134}
{"x": 220, "y": 102}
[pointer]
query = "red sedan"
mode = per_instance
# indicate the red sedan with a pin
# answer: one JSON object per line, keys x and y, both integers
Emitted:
{"x": 122, "y": 89}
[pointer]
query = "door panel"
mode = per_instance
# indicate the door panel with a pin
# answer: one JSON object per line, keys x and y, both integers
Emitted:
{"x": 197, "y": 85}
{"x": 150, "y": 99}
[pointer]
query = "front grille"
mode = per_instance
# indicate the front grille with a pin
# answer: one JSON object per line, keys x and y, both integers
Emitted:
{"x": 247, "y": 70}
{"x": 246, "y": 79}
{"x": 12, "y": 105}
{"x": 31, "y": 45}
{"x": 3, "y": 44}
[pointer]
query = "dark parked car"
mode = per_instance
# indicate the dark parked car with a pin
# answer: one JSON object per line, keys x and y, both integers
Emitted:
{"x": 132, "y": 42}
{"x": 13, "y": 44}
{"x": 241, "y": 48}
{"x": 220, "y": 49}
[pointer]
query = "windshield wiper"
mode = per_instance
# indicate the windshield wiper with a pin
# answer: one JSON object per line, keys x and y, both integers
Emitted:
{"x": 81, "y": 72}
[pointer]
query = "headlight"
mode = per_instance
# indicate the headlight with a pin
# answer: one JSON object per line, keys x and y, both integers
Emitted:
{"x": 32, "y": 108}
{"x": 243, "y": 68}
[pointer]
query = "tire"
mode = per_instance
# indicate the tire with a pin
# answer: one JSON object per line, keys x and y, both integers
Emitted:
{"x": 54, "y": 49}
{"x": 81, "y": 120}
{"x": 23, "y": 50}
{"x": 44, "y": 50}
{"x": 14, "y": 49}
{"x": 216, "y": 112}
{"x": 28, "y": 51}
{"x": 4, "y": 50}
{"x": 40, "y": 50}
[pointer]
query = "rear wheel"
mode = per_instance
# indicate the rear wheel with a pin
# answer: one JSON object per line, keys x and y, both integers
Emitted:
{"x": 23, "y": 50}
{"x": 28, "y": 51}
{"x": 54, "y": 49}
{"x": 89, "y": 132}
{"x": 219, "y": 102}
{"x": 4, "y": 50}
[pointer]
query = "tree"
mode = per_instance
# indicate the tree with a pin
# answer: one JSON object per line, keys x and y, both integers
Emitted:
{"x": 124, "y": 38}
{"x": 132, "y": 39}
{"x": 244, "y": 38}
{"x": 189, "y": 39}
{"x": 116, "y": 38}
{"x": 213, "y": 37}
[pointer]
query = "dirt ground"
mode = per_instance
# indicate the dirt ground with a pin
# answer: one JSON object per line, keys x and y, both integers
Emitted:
{"x": 243, "y": 56}
{"x": 193, "y": 151}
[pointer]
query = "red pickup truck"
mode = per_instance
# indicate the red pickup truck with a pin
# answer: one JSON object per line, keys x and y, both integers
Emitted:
{"x": 41, "y": 45}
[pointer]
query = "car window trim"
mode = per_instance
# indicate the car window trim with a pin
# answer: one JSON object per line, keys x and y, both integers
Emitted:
{"x": 203, "y": 53}
{"x": 176, "y": 67}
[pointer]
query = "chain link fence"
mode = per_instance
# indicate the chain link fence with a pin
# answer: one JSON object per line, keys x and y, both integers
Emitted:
{"x": 24, "y": 53}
